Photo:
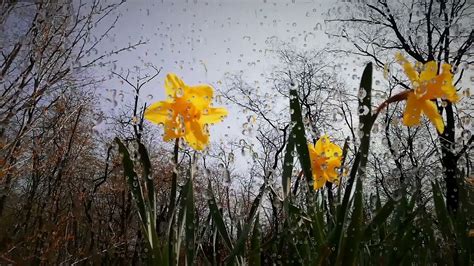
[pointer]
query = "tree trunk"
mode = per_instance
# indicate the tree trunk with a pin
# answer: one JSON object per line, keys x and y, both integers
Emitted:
{"x": 449, "y": 161}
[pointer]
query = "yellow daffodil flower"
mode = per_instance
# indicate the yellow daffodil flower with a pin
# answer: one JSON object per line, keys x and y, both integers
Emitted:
{"x": 325, "y": 159}
{"x": 427, "y": 85}
{"x": 186, "y": 113}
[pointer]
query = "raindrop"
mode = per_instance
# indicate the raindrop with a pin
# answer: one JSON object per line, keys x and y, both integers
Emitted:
{"x": 227, "y": 182}
{"x": 363, "y": 110}
{"x": 375, "y": 128}
{"x": 243, "y": 151}
{"x": 466, "y": 134}
{"x": 309, "y": 35}
{"x": 420, "y": 90}
{"x": 467, "y": 92}
{"x": 362, "y": 94}
{"x": 255, "y": 156}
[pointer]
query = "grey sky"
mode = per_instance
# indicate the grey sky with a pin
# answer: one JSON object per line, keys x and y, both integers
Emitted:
{"x": 201, "y": 41}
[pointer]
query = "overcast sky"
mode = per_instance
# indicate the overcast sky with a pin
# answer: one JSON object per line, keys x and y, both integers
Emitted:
{"x": 201, "y": 41}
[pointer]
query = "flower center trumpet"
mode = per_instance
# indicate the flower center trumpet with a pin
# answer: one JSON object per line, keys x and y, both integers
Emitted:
{"x": 325, "y": 159}
{"x": 427, "y": 86}
{"x": 186, "y": 112}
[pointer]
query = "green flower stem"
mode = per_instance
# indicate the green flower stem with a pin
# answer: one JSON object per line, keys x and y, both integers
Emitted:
{"x": 172, "y": 206}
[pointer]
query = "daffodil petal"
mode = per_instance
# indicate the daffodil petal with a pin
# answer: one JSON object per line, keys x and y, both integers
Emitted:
{"x": 319, "y": 181}
{"x": 428, "y": 86}
{"x": 326, "y": 176}
{"x": 431, "y": 111}
{"x": 410, "y": 71}
{"x": 321, "y": 145}
{"x": 325, "y": 158}
{"x": 447, "y": 87}
{"x": 332, "y": 164}
{"x": 202, "y": 90}
{"x": 433, "y": 89}
{"x": 195, "y": 135}
{"x": 429, "y": 72}
{"x": 441, "y": 86}
{"x": 450, "y": 93}
{"x": 172, "y": 84}
{"x": 311, "y": 149}
{"x": 186, "y": 113}
{"x": 200, "y": 95}
{"x": 170, "y": 132}
{"x": 158, "y": 112}
{"x": 412, "y": 114}
{"x": 213, "y": 115}
{"x": 333, "y": 150}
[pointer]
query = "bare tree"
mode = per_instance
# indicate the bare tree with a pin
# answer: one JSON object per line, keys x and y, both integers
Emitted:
{"x": 425, "y": 30}
{"x": 49, "y": 52}
{"x": 50, "y": 167}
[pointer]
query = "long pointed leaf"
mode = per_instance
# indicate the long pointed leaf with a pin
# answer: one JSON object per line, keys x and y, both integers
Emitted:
{"x": 349, "y": 250}
{"x": 381, "y": 216}
{"x": 300, "y": 137}
{"x": 445, "y": 222}
{"x": 132, "y": 180}
{"x": 147, "y": 176}
{"x": 240, "y": 244}
{"x": 255, "y": 258}
{"x": 366, "y": 120}
{"x": 288, "y": 165}
{"x": 190, "y": 224}
{"x": 218, "y": 220}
